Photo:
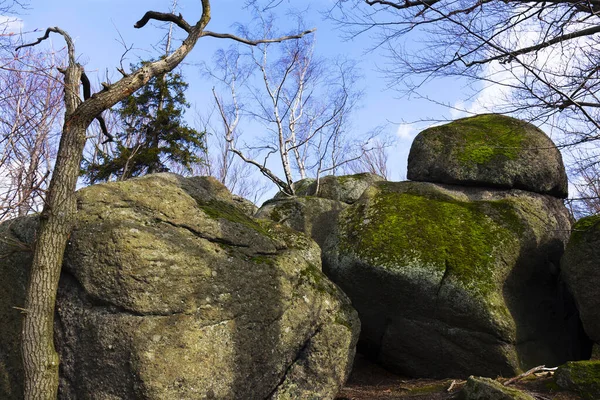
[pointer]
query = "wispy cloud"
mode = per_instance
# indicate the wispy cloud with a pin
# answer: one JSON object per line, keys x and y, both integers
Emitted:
{"x": 405, "y": 131}
{"x": 10, "y": 25}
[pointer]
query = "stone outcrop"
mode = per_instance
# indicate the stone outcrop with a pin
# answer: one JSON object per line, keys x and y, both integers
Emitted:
{"x": 344, "y": 188}
{"x": 456, "y": 274}
{"x": 581, "y": 271}
{"x": 169, "y": 290}
{"x": 313, "y": 216}
{"x": 314, "y": 210}
{"x": 488, "y": 150}
{"x": 455, "y": 281}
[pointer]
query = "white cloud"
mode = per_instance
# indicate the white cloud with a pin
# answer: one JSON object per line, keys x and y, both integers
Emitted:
{"x": 405, "y": 131}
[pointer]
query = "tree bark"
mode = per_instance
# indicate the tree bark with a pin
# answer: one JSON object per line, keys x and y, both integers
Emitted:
{"x": 40, "y": 359}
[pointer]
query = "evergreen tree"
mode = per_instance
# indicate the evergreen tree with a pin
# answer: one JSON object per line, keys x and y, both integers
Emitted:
{"x": 154, "y": 135}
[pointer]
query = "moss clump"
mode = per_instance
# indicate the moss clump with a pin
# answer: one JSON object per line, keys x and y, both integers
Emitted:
{"x": 450, "y": 238}
{"x": 583, "y": 227}
{"x": 260, "y": 259}
{"x": 220, "y": 209}
{"x": 484, "y": 138}
{"x": 581, "y": 376}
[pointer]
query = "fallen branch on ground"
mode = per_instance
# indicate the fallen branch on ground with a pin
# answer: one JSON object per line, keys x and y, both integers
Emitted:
{"x": 539, "y": 368}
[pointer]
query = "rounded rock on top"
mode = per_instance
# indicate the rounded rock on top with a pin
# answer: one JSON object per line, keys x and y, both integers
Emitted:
{"x": 489, "y": 150}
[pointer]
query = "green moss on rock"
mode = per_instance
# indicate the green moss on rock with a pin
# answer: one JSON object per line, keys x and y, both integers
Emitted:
{"x": 479, "y": 146}
{"x": 584, "y": 228}
{"x": 580, "y": 376}
{"x": 399, "y": 230}
{"x": 488, "y": 150}
{"x": 488, "y": 389}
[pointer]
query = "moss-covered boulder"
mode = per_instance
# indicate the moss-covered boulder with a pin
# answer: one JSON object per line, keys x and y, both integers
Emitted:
{"x": 581, "y": 271}
{"x": 171, "y": 291}
{"x": 478, "y": 388}
{"x": 455, "y": 281}
{"x": 488, "y": 150}
{"x": 314, "y": 216}
{"x": 582, "y": 377}
{"x": 344, "y": 188}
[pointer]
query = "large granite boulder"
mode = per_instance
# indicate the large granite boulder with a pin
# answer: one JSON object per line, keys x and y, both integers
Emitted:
{"x": 171, "y": 291}
{"x": 488, "y": 150}
{"x": 456, "y": 281}
{"x": 344, "y": 188}
{"x": 581, "y": 271}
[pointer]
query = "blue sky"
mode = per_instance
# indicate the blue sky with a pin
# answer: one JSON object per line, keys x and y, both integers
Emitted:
{"x": 97, "y": 25}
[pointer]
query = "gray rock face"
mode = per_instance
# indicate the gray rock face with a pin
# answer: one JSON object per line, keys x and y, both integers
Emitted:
{"x": 313, "y": 216}
{"x": 345, "y": 188}
{"x": 455, "y": 281}
{"x": 581, "y": 271}
{"x": 245, "y": 205}
{"x": 16, "y": 237}
{"x": 488, "y": 150}
{"x": 171, "y": 291}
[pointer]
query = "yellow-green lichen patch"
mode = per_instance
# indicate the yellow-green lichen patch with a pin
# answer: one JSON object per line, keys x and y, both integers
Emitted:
{"x": 484, "y": 138}
{"x": 405, "y": 231}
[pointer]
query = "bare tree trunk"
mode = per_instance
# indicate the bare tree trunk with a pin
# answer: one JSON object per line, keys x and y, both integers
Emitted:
{"x": 39, "y": 355}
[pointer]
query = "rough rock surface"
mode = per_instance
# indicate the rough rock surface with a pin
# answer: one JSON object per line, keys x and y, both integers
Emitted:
{"x": 455, "y": 281}
{"x": 488, "y": 389}
{"x": 170, "y": 291}
{"x": 314, "y": 216}
{"x": 344, "y": 188}
{"x": 15, "y": 255}
{"x": 581, "y": 271}
{"x": 582, "y": 377}
{"x": 245, "y": 205}
{"x": 488, "y": 150}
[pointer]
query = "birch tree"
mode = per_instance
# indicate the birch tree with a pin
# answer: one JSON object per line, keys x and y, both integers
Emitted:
{"x": 301, "y": 102}
{"x": 30, "y": 106}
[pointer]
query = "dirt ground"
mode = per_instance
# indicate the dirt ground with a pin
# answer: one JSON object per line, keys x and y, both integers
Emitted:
{"x": 368, "y": 381}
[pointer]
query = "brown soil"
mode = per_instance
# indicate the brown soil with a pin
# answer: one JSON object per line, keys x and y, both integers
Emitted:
{"x": 369, "y": 381}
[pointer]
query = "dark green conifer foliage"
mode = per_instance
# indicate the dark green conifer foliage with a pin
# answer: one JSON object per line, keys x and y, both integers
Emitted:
{"x": 154, "y": 136}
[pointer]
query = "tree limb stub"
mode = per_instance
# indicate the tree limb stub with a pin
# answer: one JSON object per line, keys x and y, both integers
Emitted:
{"x": 165, "y": 17}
